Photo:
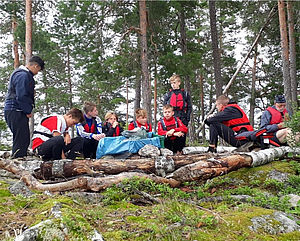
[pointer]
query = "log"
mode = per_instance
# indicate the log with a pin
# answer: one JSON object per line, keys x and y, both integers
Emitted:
{"x": 70, "y": 168}
{"x": 82, "y": 183}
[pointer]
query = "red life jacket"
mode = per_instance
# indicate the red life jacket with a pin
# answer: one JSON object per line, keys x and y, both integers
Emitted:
{"x": 178, "y": 101}
{"x": 91, "y": 129}
{"x": 117, "y": 132}
{"x": 169, "y": 125}
{"x": 276, "y": 116}
{"x": 147, "y": 126}
{"x": 239, "y": 123}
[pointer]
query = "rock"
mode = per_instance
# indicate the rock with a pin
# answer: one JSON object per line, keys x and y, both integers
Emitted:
{"x": 293, "y": 200}
{"x": 97, "y": 236}
{"x": 276, "y": 223}
{"x": 149, "y": 151}
{"x": 278, "y": 176}
{"x": 166, "y": 152}
{"x": 164, "y": 165}
{"x": 21, "y": 189}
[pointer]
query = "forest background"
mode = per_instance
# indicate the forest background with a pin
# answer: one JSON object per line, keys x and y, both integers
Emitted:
{"x": 122, "y": 53}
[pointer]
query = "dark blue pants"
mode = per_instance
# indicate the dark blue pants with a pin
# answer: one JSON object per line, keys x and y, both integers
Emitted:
{"x": 217, "y": 130}
{"x": 176, "y": 144}
{"x": 18, "y": 123}
{"x": 52, "y": 148}
{"x": 90, "y": 148}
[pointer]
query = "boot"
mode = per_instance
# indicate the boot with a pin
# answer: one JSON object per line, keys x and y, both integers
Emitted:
{"x": 212, "y": 149}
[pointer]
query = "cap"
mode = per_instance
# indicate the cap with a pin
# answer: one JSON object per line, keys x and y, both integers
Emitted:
{"x": 280, "y": 99}
{"x": 37, "y": 60}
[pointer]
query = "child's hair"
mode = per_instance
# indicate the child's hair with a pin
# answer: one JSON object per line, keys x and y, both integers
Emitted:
{"x": 88, "y": 106}
{"x": 175, "y": 77}
{"x": 223, "y": 99}
{"x": 110, "y": 114}
{"x": 140, "y": 113}
{"x": 167, "y": 107}
{"x": 76, "y": 114}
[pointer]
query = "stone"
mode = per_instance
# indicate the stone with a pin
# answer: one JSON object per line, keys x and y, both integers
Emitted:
{"x": 149, "y": 151}
{"x": 278, "y": 176}
{"x": 294, "y": 200}
{"x": 166, "y": 152}
{"x": 276, "y": 223}
{"x": 19, "y": 188}
{"x": 164, "y": 165}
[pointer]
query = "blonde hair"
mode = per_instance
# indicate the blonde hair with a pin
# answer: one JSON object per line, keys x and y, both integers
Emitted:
{"x": 223, "y": 99}
{"x": 168, "y": 107}
{"x": 109, "y": 114}
{"x": 175, "y": 77}
{"x": 140, "y": 113}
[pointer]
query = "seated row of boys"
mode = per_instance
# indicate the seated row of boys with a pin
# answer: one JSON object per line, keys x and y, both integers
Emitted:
{"x": 51, "y": 139}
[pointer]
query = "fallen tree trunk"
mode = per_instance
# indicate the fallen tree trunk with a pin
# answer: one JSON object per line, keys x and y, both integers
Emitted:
{"x": 70, "y": 168}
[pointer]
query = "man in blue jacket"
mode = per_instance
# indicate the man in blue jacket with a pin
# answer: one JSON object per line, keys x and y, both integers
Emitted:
{"x": 19, "y": 103}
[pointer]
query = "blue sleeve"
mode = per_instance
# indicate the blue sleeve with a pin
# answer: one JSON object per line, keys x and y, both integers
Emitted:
{"x": 265, "y": 122}
{"x": 24, "y": 92}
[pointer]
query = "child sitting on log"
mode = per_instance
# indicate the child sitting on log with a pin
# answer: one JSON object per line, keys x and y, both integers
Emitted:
{"x": 173, "y": 129}
{"x": 111, "y": 126}
{"x": 140, "y": 121}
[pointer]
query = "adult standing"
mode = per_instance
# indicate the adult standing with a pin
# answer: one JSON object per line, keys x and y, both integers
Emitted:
{"x": 19, "y": 103}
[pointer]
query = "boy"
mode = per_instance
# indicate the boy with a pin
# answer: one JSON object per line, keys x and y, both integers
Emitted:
{"x": 273, "y": 120}
{"x": 173, "y": 129}
{"x": 140, "y": 120}
{"x": 227, "y": 123}
{"x": 51, "y": 139}
{"x": 90, "y": 129}
{"x": 179, "y": 99}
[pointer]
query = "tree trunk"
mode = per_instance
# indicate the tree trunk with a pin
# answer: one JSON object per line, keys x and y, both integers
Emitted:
{"x": 292, "y": 52}
{"x": 146, "y": 86}
{"x": 215, "y": 48}
{"x": 28, "y": 50}
{"x": 15, "y": 42}
{"x": 285, "y": 53}
{"x": 202, "y": 105}
{"x": 252, "y": 99}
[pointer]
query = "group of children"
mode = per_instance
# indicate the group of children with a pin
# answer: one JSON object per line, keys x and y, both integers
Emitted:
{"x": 51, "y": 139}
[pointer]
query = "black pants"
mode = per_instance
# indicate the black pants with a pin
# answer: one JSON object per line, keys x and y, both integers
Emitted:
{"x": 52, "y": 148}
{"x": 226, "y": 133}
{"x": 18, "y": 123}
{"x": 90, "y": 148}
{"x": 175, "y": 145}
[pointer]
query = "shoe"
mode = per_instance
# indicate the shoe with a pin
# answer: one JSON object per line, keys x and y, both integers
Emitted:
{"x": 212, "y": 149}
{"x": 245, "y": 147}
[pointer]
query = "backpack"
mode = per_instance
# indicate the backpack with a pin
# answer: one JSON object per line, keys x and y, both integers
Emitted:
{"x": 178, "y": 101}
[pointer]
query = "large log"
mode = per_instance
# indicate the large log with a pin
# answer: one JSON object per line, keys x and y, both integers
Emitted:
{"x": 69, "y": 168}
{"x": 82, "y": 183}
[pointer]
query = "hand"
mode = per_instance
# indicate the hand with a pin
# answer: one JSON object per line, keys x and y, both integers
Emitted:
{"x": 179, "y": 134}
{"x": 170, "y": 132}
{"x": 67, "y": 138}
{"x": 63, "y": 156}
{"x": 99, "y": 136}
{"x": 29, "y": 115}
{"x": 281, "y": 125}
{"x": 114, "y": 125}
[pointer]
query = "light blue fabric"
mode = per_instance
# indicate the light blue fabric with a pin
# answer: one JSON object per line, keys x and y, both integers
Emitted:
{"x": 121, "y": 144}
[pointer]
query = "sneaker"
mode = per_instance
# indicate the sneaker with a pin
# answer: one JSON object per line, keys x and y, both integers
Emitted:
{"x": 245, "y": 147}
{"x": 212, "y": 149}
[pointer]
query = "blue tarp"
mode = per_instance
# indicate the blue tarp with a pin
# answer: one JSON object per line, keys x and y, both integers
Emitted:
{"x": 121, "y": 144}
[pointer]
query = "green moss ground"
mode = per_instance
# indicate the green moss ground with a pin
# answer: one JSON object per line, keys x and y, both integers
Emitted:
{"x": 181, "y": 215}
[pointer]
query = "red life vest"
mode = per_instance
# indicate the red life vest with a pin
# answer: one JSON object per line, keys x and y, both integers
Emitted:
{"x": 147, "y": 126}
{"x": 117, "y": 132}
{"x": 239, "y": 123}
{"x": 276, "y": 116}
{"x": 169, "y": 125}
{"x": 91, "y": 129}
{"x": 178, "y": 101}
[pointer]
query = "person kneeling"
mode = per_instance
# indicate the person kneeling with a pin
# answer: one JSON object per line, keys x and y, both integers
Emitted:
{"x": 51, "y": 139}
{"x": 173, "y": 129}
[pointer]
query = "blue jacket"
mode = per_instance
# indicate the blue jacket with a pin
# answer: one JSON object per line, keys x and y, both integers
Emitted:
{"x": 20, "y": 94}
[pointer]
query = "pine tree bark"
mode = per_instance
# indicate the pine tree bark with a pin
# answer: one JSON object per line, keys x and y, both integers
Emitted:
{"x": 146, "y": 84}
{"x": 292, "y": 52}
{"x": 285, "y": 53}
{"x": 215, "y": 48}
{"x": 15, "y": 42}
{"x": 252, "y": 99}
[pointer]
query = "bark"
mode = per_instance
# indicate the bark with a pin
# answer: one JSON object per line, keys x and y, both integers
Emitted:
{"x": 252, "y": 99}
{"x": 67, "y": 168}
{"x": 215, "y": 47}
{"x": 285, "y": 53}
{"x": 15, "y": 42}
{"x": 292, "y": 52}
{"x": 202, "y": 105}
{"x": 146, "y": 85}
